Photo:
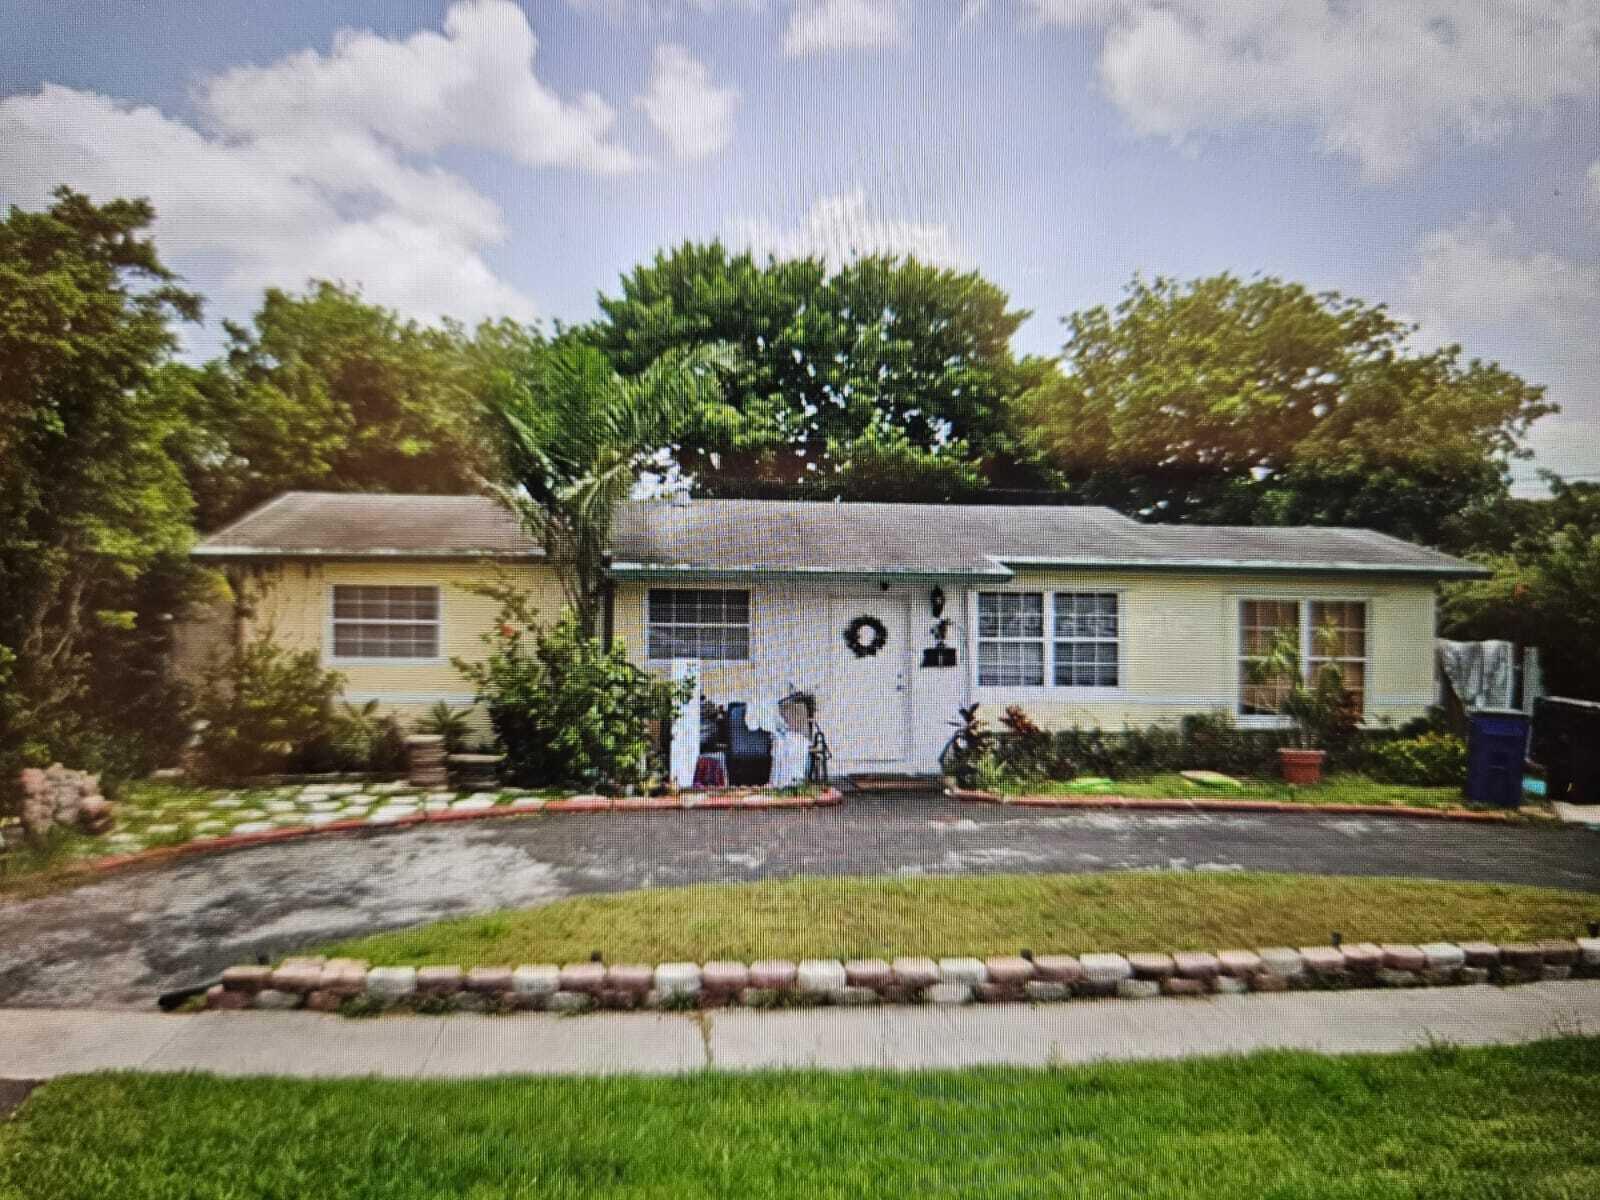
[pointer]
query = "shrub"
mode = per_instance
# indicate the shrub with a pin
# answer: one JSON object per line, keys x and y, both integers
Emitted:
{"x": 567, "y": 711}
{"x": 452, "y": 724}
{"x": 1026, "y": 751}
{"x": 1429, "y": 760}
{"x": 363, "y": 740}
{"x": 968, "y": 747}
{"x": 267, "y": 710}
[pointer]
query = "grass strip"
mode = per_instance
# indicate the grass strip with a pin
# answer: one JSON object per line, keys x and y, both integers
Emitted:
{"x": 989, "y": 914}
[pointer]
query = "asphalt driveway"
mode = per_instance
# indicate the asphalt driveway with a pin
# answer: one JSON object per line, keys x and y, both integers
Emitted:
{"x": 121, "y": 941}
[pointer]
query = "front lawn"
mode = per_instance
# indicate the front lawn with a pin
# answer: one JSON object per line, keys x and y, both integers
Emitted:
{"x": 1444, "y": 1123}
{"x": 991, "y": 914}
{"x": 1334, "y": 789}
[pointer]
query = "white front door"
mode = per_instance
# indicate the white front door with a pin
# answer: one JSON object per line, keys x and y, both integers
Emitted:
{"x": 868, "y": 712}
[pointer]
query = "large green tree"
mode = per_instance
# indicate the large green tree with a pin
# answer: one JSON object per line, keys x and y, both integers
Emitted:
{"x": 326, "y": 391}
{"x": 1260, "y": 402}
{"x": 885, "y": 379}
{"x": 1543, "y": 592}
{"x": 93, "y": 509}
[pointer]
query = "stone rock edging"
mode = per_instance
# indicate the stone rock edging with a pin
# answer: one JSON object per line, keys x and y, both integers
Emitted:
{"x": 1223, "y": 804}
{"x": 695, "y": 801}
{"x": 352, "y": 987}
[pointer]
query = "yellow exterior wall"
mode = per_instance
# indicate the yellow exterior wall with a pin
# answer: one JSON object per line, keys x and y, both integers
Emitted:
{"x": 292, "y": 601}
{"x": 1179, "y": 644}
{"x": 1178, "y": 634}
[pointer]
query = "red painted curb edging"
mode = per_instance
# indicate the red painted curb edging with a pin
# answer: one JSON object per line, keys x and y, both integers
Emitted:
{"x": 1199, "y": 804}
{"x": 238, "y": 841}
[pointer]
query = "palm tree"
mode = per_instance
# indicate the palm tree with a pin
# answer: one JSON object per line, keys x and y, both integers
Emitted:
{"x": 576, "y": 438}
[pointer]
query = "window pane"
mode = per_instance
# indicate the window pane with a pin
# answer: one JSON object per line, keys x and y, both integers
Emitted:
{"x": 705, "y": 623}
{"x": 1261, "y": 622}
{"x": 374, "y": 621}
{"x": 1010, "y": 664}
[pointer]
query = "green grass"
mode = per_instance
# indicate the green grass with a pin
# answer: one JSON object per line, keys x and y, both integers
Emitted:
{"x": 1334, "y": 789}
{"x": 990, "y": 914}
{"x": 1442, "y": 1123}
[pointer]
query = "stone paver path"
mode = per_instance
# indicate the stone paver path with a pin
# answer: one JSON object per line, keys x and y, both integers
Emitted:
{"x": 43, "y": 1043}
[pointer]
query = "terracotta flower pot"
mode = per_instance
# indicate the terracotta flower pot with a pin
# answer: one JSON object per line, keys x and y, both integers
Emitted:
{"x": 1301, "y": 767}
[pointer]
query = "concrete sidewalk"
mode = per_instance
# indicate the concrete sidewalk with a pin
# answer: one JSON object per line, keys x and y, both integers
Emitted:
{"x": 42, "y": 1043}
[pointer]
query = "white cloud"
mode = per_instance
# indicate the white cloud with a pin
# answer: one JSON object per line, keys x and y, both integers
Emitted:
{"x": 1384, "y": 82}
{"x": 316, "y": 165}
{"x": 686, "y": 108}
{"x": 649, "y": 12}
{"x": 656, "y": 12}
{"x": 841, "y": 228}
{"x": 1479, "y": 283}
{"x": 1591, "y": 196}
{"x": 822, "y": 26}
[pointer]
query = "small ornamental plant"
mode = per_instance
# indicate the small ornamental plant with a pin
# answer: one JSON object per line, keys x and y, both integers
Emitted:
{"x": 567, "y": 711}
{"x": 1321, "y": 712}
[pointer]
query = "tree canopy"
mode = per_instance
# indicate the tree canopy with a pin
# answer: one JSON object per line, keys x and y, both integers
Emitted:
{"x": 326, "y": 391}
{"x": 91, "y": 500}
{"x": 1543, "y": 589}
{"x": 885, "y": 379}
{"x": 1260, "y": 402}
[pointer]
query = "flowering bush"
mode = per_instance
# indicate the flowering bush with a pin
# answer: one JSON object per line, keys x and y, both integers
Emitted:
{"x": 567, "y": 711}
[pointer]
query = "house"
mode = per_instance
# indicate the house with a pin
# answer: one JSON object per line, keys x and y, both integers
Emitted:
{"x": 1080, "y": 614}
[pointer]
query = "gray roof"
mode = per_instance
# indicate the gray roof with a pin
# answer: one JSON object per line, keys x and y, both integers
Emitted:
{"x": 730, "y": 538}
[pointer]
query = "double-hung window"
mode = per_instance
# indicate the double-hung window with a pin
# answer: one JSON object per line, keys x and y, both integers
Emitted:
{"x": 382, "y": 622}
{"x": 710, "y": 624}
{"x": 1011, "y": 639}
{"x": 1038, "y": 639}
{"x": 1325, "y": 633}
{"x": 1086, "y": 639}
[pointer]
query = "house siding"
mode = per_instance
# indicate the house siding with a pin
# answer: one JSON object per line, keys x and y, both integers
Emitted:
{"x": 1178, "y": 642}
{"x": 1179, "y": 645}
{"x": 291, "y": 602}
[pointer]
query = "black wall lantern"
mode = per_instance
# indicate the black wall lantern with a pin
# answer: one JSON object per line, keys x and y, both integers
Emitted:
{"x": 939, "y": 654}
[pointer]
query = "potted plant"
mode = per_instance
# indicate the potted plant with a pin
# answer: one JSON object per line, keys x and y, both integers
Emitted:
{"x": 1320, "y": 711}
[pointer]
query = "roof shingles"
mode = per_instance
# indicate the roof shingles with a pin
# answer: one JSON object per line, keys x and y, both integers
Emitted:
{"x": 711, "y": 537}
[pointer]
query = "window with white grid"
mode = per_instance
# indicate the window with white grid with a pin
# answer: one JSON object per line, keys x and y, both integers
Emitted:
{"x": 710, "y": 624}
{"x": 382, "y": 622}
{"x": 1010, "y": 639}
{"x": 1086, "y": 639}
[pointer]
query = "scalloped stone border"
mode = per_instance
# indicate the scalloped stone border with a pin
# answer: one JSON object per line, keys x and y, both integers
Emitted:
{"x": 355, "y": 988}
{"x": 686, "y": 801}
{"x": 1222, "y": 804}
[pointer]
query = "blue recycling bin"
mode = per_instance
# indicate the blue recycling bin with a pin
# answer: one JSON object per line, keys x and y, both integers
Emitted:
{"x": 1497, "y": 744}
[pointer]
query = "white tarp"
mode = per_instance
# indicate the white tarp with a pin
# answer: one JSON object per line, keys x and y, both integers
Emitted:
{"x": 686, "y": 725}
{"x": 1482, "y": 674}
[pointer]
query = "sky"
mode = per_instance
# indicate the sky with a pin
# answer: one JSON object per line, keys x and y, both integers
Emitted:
{"x": 489, "y": 158}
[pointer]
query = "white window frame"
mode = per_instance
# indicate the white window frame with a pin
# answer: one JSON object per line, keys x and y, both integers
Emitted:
{"x": 1303, "y": 601}
{"x": 333, "y": 657}
{"x": 1050, "y": 689}
{"x": 750, "y": 621}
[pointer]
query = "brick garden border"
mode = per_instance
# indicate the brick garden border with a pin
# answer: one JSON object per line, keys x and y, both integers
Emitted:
{"x": 1223, "y": 804}
{"x": 352, "y": 987}
{"x": 526, "y": 806}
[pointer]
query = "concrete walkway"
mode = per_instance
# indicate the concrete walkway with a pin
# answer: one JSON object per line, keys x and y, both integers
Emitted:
{"x": 41, "y": 1043}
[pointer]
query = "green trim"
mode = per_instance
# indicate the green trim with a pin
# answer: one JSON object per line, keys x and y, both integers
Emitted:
{"x": 1247, "y": 567}
{"x": 640, "y": 573}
